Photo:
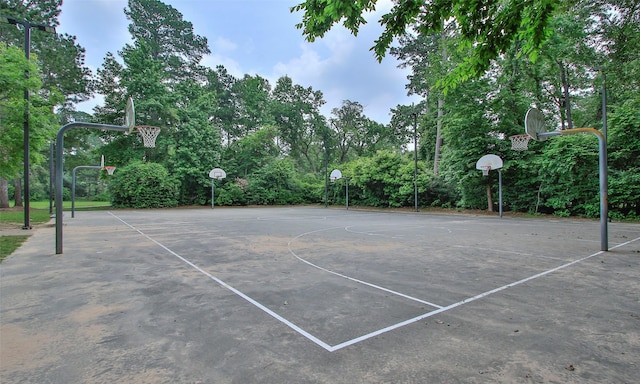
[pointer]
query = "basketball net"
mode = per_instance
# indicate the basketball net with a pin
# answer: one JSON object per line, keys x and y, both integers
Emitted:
{"x": 110, "y": 169}
{"x": 520, "y": 142}
{"x": 485, "y": 170}
{"x": 148, "y": 134}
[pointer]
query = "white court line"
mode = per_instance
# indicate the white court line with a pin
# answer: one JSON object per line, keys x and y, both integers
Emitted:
{"x": 509, "y": 252}
{"x": 352, "y": 278}
{"x": 232, "y": 289}
{"x": 470, "y": 299}
{"x": 347, "y": 343}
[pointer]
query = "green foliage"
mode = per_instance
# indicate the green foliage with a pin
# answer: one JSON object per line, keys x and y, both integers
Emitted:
{"x": 272, "y": 142}
{"x": 143, "y": 185}
{"x": 42, "y": 122}
{"x": 383, "y": 180}
{"x": 195, "y": 150}
{"x": 569, "y": 169}
{"x": 296, "y": 111}
{"x": 624, "y": 177}
{"x": 489, "y": 28}
{"x": 257, "y": 149}
{"x": 60, "y": 59}
{"x": 276, "y": 184}
{"x": 231, "y": 194}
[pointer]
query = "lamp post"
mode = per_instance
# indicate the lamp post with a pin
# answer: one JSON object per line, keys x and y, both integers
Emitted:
{"x": 415, "y": 159}
{"x": 27, "y": 51}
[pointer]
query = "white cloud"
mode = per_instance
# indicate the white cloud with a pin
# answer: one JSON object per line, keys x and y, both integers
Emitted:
{"x": 223, "y": 45}
{"x": 232, "y": 66}
{"x": 258, "y": 37}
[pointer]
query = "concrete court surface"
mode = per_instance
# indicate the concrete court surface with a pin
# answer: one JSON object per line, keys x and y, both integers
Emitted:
{"x": 314, "y": 295}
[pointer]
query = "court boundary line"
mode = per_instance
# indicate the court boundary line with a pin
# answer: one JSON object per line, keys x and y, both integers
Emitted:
{"x": 229, "y": 287}
{"x": 336, "y": 347}
{"x": 353, "y": 278}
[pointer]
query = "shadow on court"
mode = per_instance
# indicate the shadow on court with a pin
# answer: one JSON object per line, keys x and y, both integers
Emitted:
{"x": 313, "y": 295}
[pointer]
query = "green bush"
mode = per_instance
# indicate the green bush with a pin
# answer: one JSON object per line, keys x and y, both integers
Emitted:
{"x": 143, "y": 185}
{"x": 230, "y": 194}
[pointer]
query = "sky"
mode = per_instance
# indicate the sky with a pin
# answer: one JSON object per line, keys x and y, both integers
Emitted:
{"x": 258, "y": 37}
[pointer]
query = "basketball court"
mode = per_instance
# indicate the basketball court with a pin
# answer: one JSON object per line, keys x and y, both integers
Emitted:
{"x": 314, "y": 295}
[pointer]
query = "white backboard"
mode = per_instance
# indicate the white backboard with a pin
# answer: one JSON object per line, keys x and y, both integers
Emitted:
{"x": 491, "y": 161}
{"x": 217, "y": 173}
{"x": 130, "y": 115}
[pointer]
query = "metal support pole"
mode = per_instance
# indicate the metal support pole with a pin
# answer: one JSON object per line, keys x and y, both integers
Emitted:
{"x": 326, "y": 174}
{"x": 73, "y": 185}
{"x": 604, "y": 105}
{"x": 500, "y": 190}
{"x": 51, "y": 171}
{"x": 415, "y": 161}
{"x": 346, "y": 186}
{"x": 213, "y": 193}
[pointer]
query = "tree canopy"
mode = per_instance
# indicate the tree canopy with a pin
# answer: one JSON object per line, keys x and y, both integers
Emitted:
{"x": 488, "y": 28}
{"x": 277, "y": 146}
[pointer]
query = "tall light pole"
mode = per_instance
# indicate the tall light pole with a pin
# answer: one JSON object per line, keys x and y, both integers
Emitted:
{"x": 415, "y": 159}
{"x": 27, "y": 51}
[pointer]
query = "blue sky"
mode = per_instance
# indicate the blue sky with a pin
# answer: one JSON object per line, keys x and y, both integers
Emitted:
{"x": 258, "y": 37}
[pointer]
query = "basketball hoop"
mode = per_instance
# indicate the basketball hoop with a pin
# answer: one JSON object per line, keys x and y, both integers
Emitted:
{"x": 335, "y": 175}
{"x": 110, "y": 169}
{"x": 217, "y": 173}
{"x": 148, "y": 134}
{"x": 520, "y": 142}
{"x": 489, "y": 162}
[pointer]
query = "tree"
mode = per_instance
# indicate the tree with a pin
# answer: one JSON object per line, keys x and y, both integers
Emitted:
{"x": 221, "y": 84}
{"x": 253, "y": 94}
{"x": 254, "y": 151}
{"x": 160, "y": 71}
{"x": 195, "y": 145}
{"x": 349, "y": 124}
{"x": 487, "y": 27}
{"x": 170, "y": 39}
{"x": 356, "y": 135}
{"x": 428, "y": 57}
{"x": 297, "y": 113}
{"x": 60, "y": 59}
{"x": 42, "y": 121}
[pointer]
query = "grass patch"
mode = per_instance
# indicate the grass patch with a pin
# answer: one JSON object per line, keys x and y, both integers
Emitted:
{"x": 16, "y": 216}
{"x": 66, "y": 205}
{"x": 8, "y": 244}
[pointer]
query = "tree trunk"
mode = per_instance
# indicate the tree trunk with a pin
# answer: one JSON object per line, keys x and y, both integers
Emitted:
{"x": 17, "y": 195}
{"x": 489, "y": 198}
{"x": 565, "y": 94}
{"x": 4, "y": 193}
{"x": 436, "y": 157}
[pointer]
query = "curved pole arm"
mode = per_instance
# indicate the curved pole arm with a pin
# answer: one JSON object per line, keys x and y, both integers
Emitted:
{"x": 58, "y": 181}
{"x": 73, "y": 185}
